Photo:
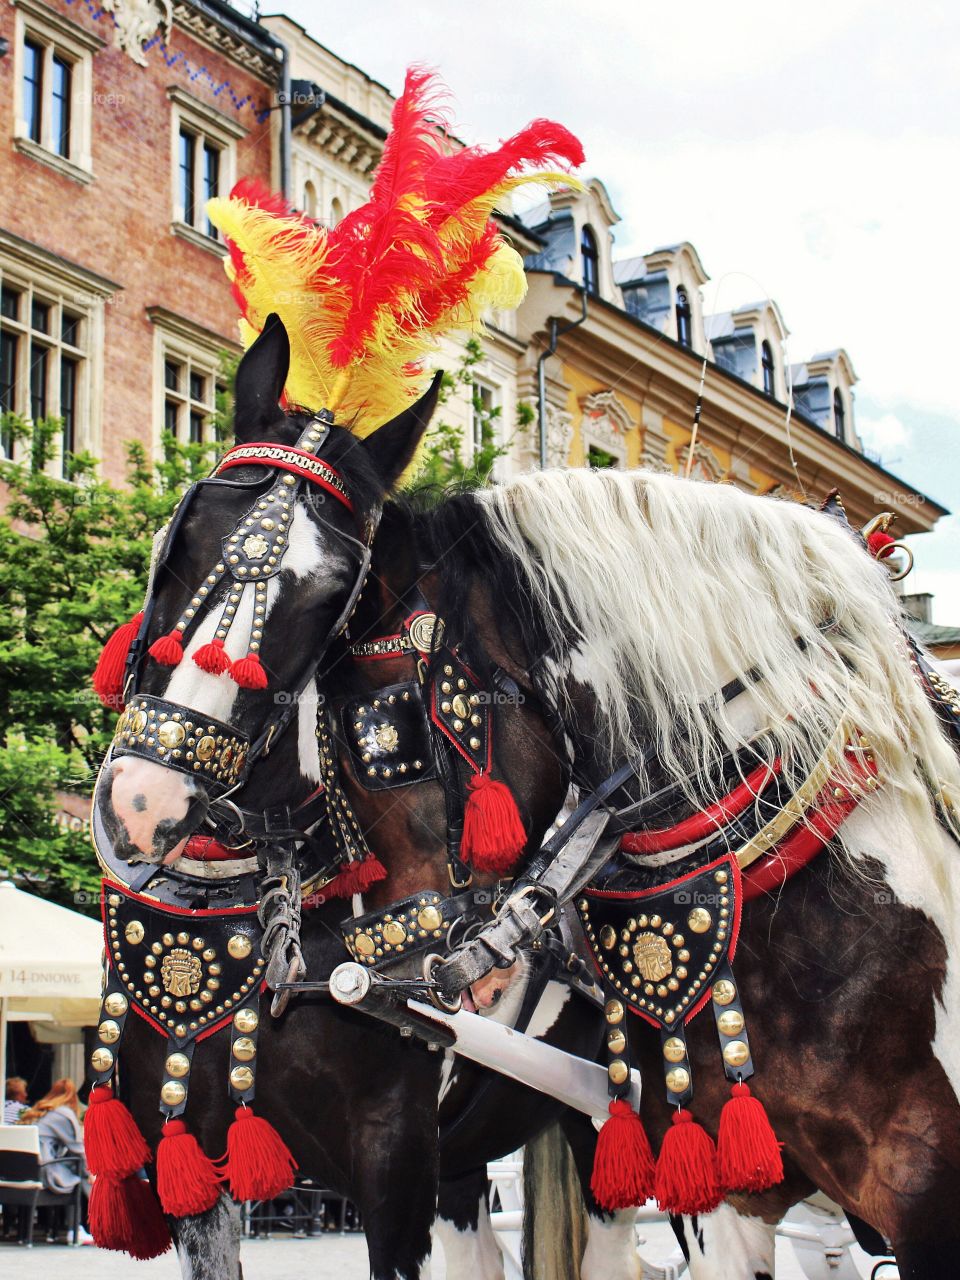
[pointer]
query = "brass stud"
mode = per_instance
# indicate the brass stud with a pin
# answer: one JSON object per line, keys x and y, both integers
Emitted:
{"x": 101, "y": 1060}
{"x": 177, "y": 1065}
{"x": 109, "y": 1031}
{"x": 239, "y": 946}
{"x": 678, "y": 1080}
{"x": 363, "y": 944}
{"x": 674, "y": 1050}
{"x": 244, "y": 1049}
{"x": 183, "y": 938}
{"x": 116, "y": 1004}
{"x": 394, "y": 933}
{"x": 616, "y": 1040}
{"x": 736, "y": 1053}
{"x": 246, "y": 1020}
{"x": 241, "y": 1078}
{"x": 134, "y": 932}
{"x": 724, "y": 992}
{"x": 720, "y": 877}
{"x": 618, "y": 1071}
{"x": 173, "y": 1093}
{"x": 730, "y": 1022}
{"x": 429, "y": 918}
{"x": 699, "y": 920}
{"x": 613, "y": 1011}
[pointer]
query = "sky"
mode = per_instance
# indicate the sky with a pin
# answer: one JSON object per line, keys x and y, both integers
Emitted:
{"x": 811, "y": 154}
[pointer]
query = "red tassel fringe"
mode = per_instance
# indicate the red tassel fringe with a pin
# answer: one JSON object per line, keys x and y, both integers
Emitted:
{"x": 248, "y": 672}
{"x": 686, "y": 1180}
{"x": 212, "y": 658}
{"x": 748, "y": 1153}
{"x": 125, "y": 1215}
{"x": 114, "y": 1145}
{"x": 356, "y": 877}
{"x": 187, "y": 1181}
{"x": 623, "y": 1167}
{"x": 168, "y": 649}
{"x": 259, "y": 1163}
{"x": 108, "y": 673}
{"x": 493, "y": 834}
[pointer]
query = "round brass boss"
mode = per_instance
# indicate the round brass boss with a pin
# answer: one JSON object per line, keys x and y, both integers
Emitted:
{"x": 364, "y": 945}
{"x": 608, "y": 936}
{"x": 429, "y": 918}
{"x": 173, "y": 1093}
{"x": 101, "y": 1059}
{"x": 674, "y": 1050}
{"x": 171, "y": 734}
{"x": 133, "y": 932}
{"x": 241, "y": 1078}
{"x": 699, "y": 920}
{"x": 394, "y": 933}
{"x": 244, "y": 1050}
{"x": 109, "y": 1031}
{"x": 115, "y": 1004}
{"x": 177, "y": 1065}
{"x": 613, "y": 1011}
{"x": 246, "y": 1020}
{"x": 617, "y": 1071}
{"x": 678, "y": 1080}
{"x": 616, "y": 1040}
{"x": 730, "y": 1022}
{"x": 724, "y": 992}
{"x": 239, "y": 946}
{"x": 206, "y": 747}
{"x": 736, "y": 1053}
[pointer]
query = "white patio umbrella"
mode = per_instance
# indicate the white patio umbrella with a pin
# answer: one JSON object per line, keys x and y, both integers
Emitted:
{"x": 50, "y": 964}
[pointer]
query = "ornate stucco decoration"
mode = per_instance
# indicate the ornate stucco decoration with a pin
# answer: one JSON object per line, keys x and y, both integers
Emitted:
{"x": 559, "y": 436}
{"x": 606, "y": 421}
{"x": 136, "y": 21}
{"x": 706, "y": 465}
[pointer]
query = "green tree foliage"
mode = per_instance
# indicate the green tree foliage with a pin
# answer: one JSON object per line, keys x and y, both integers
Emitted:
{"x": 74, "y": 555}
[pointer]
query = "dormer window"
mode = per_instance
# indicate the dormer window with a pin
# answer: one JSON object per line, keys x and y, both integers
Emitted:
{"x": 839, "y": 415}
{"x": 684, "y": 323}
{"x": 591, "y": 261}
{"x": 769, "y": 369}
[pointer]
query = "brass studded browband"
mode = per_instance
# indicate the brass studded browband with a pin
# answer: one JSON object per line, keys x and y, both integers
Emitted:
{"x": 295, "y": 461}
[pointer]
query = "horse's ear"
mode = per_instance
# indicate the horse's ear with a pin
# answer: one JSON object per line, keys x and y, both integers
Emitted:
{"x": 391, "y": 448}
{"x": 261, "y": 375}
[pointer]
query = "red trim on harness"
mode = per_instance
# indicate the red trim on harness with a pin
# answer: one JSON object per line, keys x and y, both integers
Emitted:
{"x": 174, "y": 911}
{"x": 297, "y": 461}
{"x": 207, "y": 849}
{"x": 708, "y": 820}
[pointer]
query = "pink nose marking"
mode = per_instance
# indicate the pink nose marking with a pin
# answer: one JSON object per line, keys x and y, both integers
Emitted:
{"x": 144, "y": 794}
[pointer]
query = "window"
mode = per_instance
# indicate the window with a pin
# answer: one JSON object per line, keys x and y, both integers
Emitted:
{"x": 336, "y": 212}
{"x": 45, "y": 341}
{"x": 54, "y": 67}
{"x": 598, "y": 458}
{"x": 839, "y": 415}
{"x": 189, "y": 379}
{"x": 591, "y": 261}
{"x": 684, "y": 324}
{"x": 769, "y": 369}
{"x": 482, "y": 413}
{"x": 204, "y": 157}
{"x": 310, "y": 200}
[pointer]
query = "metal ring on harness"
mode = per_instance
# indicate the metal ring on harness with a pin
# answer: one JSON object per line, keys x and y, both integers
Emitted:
{"x": 446, "y": 1006}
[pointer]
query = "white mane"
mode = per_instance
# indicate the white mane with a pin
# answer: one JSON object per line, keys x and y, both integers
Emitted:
{"x": 670, "y": 588}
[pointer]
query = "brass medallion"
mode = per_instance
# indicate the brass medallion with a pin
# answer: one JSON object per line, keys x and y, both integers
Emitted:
{"x": 425, "y": 630}
{"x": 133, "y": 932}
{"x": 386, "y": 737}
{"x": 180, "y": 973}
{"x": 206, "y": 747}
{"x": 255, "y": 546}
{"x": 239, "y": 946}
{"x": 651, "y": 954}
{"x": 171, "y": 734}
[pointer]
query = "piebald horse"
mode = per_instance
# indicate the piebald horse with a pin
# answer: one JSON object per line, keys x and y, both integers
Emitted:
{"x": 623, "y": 602}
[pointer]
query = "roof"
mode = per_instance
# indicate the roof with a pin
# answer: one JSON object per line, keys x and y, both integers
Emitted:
{"x": 930, "y": 633}
{"x": 629, "y": 270}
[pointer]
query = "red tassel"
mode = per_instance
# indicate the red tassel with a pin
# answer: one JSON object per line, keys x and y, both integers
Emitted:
{"x": 213, "y": 658}
{"x": 748, "y": 1153}
{"x": 248, "y": 672}
{"x": 187, "y": 1181}
{"x": 880, "y": 544}
{"x": 259, "y": 1164}
{"x": 623, "y": 1167}
{"x": 168, "y": 650}
{"x": 493, "y": 834}
{"x": 686, "y": 1180}
{"x": 125, "y": 1215}
{"x": 113, "y": 1144}
{"x": 108, "y": 673}
{"x": 356, "y": 877}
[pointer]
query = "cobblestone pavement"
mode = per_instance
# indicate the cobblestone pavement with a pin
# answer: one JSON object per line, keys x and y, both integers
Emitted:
{"x": 332, "y": 1257}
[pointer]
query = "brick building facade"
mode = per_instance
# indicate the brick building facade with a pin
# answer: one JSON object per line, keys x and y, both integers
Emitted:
{"x": 114, "y": 306}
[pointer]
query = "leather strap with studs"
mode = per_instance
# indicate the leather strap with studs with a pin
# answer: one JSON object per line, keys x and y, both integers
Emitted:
{"x": 114, "y": 1010}
{"x": 183, "y": 739}
{"x": 244, "y": 1032}
{"x": 176, "y": 1077}
{"x": 416, "y": 923}
{"x": 731, "y": 1026}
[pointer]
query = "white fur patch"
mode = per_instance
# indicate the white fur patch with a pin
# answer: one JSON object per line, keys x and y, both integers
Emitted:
{"x": 735, "y": 1246}
{"x": 611, "y": 1252}
{"x": 474, "y": 1255}
{"x": 308, "y": 749}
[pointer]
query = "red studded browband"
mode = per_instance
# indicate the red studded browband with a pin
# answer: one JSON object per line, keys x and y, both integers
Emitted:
{"x": 296, "y": 461}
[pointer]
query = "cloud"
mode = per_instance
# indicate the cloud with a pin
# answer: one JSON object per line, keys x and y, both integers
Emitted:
{"x": 883, "y": 433}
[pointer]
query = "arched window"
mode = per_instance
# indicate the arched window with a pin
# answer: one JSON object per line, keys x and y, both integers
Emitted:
{"x": 309, "y": 200}
{"x": 336, "y": 211}
{"x": 839, "y": 415}
{"x": 769, "y": 369}
{"x": 591, "y": 261}
{"x": 684, "y": 325}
